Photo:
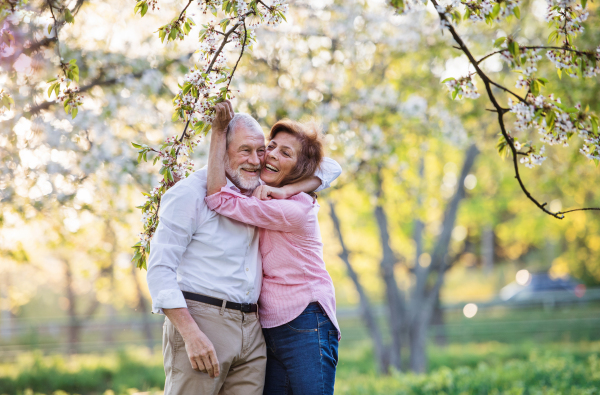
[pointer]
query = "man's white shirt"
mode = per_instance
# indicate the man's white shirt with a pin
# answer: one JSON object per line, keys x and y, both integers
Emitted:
{"x": 195, "y": 249}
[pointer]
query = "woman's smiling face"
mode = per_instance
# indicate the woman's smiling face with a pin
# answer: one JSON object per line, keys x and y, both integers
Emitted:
{"x": 280, "y": 158}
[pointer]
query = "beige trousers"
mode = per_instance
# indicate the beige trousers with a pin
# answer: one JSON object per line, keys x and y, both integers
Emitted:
{"x": 240, "y": 346}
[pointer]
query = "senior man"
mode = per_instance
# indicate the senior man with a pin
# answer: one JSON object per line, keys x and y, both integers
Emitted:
{"x": 205, "y": 273}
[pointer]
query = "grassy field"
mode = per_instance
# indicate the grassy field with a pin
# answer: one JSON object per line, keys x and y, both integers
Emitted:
{"x": 488, "y": 368}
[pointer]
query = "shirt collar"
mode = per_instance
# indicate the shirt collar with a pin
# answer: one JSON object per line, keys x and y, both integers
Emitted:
{"x": 230, "y": 185}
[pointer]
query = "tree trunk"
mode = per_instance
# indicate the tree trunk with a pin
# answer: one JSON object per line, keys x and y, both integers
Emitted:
{"x": 424, "y": 297}
{"x": 395, "y": 299}
{"x": 143, "y": 310}
{"x": 6, "y": 317}
{"x": 438, "y": 322}
{"x": 74, "y": 323}
{"x": 418, "y": 342}
{"x": 487, "y": 250}
{"x": 366, "y": 309}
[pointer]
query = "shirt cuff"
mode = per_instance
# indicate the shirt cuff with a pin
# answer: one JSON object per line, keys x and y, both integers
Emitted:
{"x": 168, "y": 299}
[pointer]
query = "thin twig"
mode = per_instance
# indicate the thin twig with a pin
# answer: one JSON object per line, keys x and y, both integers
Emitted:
{"x": 534, "y": 47}
{"x": 210, "y": 66}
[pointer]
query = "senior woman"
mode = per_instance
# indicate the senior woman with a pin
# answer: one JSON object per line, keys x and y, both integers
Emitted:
{"x": 297, "y": 300}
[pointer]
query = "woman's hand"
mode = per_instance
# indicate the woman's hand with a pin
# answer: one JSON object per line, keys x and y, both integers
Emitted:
{"x": 223, "y": 115}
{"x": 265, "y": 192}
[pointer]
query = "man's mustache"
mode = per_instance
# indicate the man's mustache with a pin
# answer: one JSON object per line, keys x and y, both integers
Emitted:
{"x": 250, "y": 168}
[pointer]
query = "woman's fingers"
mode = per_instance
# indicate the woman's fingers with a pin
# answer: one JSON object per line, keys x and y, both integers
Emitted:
{"x": 265, "y": 194}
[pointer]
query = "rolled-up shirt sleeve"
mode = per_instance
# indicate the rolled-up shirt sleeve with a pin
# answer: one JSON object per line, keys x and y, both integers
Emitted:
{"x": 179, "y": 212}
{"x": 327, "y": 172}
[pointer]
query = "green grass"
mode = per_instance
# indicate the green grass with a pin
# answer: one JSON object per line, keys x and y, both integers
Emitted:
{"x": 488, "y": 368}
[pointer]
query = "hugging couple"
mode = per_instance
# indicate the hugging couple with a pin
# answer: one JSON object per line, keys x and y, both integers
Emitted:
{"x": 242, "y": 231}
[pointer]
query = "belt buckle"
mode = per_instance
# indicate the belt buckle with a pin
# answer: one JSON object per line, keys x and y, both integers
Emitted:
{"x": 246, "y": 307}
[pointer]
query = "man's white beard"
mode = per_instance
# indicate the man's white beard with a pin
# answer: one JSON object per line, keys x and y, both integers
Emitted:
{"x": 238, "y": 178}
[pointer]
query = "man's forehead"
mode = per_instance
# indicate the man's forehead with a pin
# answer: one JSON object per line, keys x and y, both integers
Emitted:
{"x": 247, "y": 136}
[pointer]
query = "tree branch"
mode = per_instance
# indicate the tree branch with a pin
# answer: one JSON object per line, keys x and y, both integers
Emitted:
{"x": 580, "y": 53}
{"x": 488, "y": 83}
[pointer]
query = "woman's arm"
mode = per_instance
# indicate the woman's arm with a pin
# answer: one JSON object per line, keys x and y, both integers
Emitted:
{"x": 216, "y": 177}
{"x": 284, "y": 215}
{"x": 327, "y": 172}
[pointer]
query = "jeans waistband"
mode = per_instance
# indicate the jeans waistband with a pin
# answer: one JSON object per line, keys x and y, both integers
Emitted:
{"x": 313, "y": 307}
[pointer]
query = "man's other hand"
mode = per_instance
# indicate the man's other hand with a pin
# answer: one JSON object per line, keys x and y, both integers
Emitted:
{"x": 223, "y": 115}
{"x": 199, "y": 348}
{"x": 202, "y": 355}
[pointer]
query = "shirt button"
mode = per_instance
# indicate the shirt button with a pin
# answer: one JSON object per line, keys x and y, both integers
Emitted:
{"x": 248, "y": 293}
{"x": 247, "y": 269}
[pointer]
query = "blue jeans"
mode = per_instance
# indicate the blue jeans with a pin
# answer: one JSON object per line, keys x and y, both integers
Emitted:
{"x": 302, "y": 355}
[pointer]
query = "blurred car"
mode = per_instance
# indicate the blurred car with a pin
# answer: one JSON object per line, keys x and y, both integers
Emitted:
{"x": 540, "y": 287}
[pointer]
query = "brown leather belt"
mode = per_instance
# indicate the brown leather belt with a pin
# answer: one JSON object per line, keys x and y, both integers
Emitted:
{"x": 243, "y": 307}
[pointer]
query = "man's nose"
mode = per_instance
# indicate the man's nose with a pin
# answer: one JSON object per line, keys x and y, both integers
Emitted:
{"x": 254, "y": 159}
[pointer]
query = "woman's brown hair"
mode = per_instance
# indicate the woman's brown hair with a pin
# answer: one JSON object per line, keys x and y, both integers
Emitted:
{"x": 311, "y": 153}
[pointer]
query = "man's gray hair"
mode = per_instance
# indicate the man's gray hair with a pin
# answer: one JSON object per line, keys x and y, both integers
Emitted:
{"x": 243, "y": 120}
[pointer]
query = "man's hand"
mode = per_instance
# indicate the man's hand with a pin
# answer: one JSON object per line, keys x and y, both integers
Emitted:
{"x": 199, "y": 348}
{"x": 223, "y": 115}
{"x": 265, "y": 192}
{"x": 202, "y": 355}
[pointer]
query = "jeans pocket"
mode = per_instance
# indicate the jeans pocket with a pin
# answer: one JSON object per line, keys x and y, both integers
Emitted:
{"x": 304, "y": 323}
{"x": 333, "y": 345}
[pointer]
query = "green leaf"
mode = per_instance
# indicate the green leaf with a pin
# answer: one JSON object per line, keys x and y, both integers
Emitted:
{"x": 499, "y": 42}
{"x": 169, "y": 175}
{"x": 57, "y": 89}
{"x": 74, "y": 112}
{"x": 68, "y": 16}
{"x": 51, "y": 89}
{"x": 517, "y": 12}
{"x": 187, "y": 88}
{"x": 594, "y": 121}
{"x": 553, "y": 36}
{"x": 496, "y": 10}
{"x": 513, "y": 48}
{"x": 535, "y": 87}
{"x": 559, "y": 72}
{"x": 49, "y": 28}
{"x": 144, "y": 9}
{"x": 467, "y": 14}
{"x": 583, "y": 3}
{"x": 454, "y": 93}
{"x": 448, "y": 79}
{"x": 136, "y": 145}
